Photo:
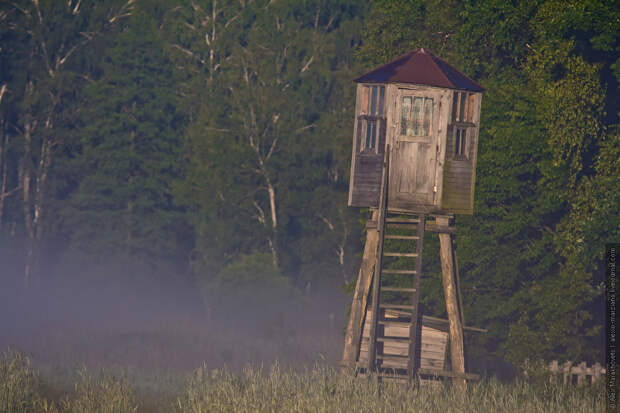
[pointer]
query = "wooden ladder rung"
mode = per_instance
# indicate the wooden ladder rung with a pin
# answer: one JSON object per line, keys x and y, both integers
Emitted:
{"x": 405, "y": 307}
{"x": 387, "y": 271}
{"x": 394, "y": 323}
{"x": 401, "y": 237}
{"x": 400, "y": 254}
{"x": 392, "y": 357}
{"x": 445, "y": 373}
{"x": 398, "y": 289}
{"x": 394, "y": 339}
{"x": 402, "y": 221}
{"x": 387, "y": 375}
{"x": 395, "y": 377}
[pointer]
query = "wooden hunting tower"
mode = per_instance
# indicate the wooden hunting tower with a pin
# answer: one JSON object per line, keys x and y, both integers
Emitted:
{"x": 428, "y": 113}
{"x": 415, "y": 142}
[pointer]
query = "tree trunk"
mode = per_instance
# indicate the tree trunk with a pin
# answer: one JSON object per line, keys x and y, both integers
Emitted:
{"x": 273, "y": 241}
{"x": 25, "y": 179}
{"x": 45, "y": 162}
{"x": 130, "y": 205}
{"x": 4, "y": 144}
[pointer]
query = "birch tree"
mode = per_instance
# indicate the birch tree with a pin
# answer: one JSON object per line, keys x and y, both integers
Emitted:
{"x": 4, "y": 161}
{"x": 200, "y": 35}
{"x": 254, "y": 150}
{"x": 53, "y": 34}
{"x": 285, "y": 51}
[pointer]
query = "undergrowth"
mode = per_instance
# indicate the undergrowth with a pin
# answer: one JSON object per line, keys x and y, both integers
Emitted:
{"x": 320, "y": 389}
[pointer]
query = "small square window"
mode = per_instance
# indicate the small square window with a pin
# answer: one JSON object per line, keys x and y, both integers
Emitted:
{"x": 416, "y": 116}
{"x": 463, "y": 107}
{"x": 371, "y": 135}
{"x": 373, "y": 100}
{"x": 460, "y": 143}
{"x": 371, "y": 119}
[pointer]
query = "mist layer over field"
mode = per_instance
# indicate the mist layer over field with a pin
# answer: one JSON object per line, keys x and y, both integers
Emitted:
{"x": 122, "y": 316}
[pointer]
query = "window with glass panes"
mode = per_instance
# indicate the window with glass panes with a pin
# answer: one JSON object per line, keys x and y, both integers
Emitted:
{"x": 416, "y": 116}
{"x": 462, "y": 121}
{"x": 372, "y": 117}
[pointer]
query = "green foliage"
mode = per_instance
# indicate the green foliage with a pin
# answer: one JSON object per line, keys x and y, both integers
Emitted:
{"x": 251, "y": 281}
{"x": 127, "y": 152}
{"x": 260, "y": 175}
{"x": 529, "y": 257}
{"x": 214, "y": 138}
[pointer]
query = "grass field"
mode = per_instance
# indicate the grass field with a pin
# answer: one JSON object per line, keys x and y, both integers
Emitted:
{"x": 319, "y": 389}
{"x": 123, "y": 350}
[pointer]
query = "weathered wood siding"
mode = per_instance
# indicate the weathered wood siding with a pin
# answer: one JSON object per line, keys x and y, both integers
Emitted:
{"x": 366, "y": 167}
{"x": 454, "y": 178}
{"x": 427, "y": 161}
{"x": 459, "y": 174}
{"x": 432, "y": 353}
{"x": 366, "y": 181}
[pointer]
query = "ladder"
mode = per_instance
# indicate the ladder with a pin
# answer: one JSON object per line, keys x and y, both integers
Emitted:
{"x": 395, "y": 293}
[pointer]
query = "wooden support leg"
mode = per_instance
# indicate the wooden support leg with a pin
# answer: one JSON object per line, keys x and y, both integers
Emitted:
{"x": 457, "y": 352}
{"x": 353, "y": 334}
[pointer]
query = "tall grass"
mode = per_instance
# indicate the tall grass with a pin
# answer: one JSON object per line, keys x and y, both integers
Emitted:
{"x": 320, "y": 389}
{"x": 325, "y": 390}
{"x": 21, "y": 387}
{"x": 18, "y": 383}
{"x": 100, "y": 395}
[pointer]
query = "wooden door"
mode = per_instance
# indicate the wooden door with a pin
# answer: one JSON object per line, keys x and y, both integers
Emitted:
{"x": 414, "y": 150}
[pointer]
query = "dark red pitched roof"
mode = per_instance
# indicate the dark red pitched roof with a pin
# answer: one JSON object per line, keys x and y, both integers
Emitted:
{"x": 421, "y": 67}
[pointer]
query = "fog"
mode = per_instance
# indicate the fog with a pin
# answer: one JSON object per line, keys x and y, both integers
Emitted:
{"x": 122, "y": 315}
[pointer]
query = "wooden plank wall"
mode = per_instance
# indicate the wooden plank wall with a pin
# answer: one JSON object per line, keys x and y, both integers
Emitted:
{"x": 366, "y": 180}
{"x": 366, "y": 167}
{"x": 433, "y": 351}
{"x": 455, "y": 183}
{"x": 459, "y": 175}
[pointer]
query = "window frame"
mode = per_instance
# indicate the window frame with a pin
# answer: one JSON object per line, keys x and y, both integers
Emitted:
{"x": 412, "y": 97}
{"x": 461, "y": 143}
{"x": 365, "y": 122}
{"x": 461, "y": 120}
{"x": 367, "y": 116}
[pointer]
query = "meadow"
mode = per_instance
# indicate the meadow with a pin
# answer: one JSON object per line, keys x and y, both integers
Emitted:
{"x": 321, "y": 388}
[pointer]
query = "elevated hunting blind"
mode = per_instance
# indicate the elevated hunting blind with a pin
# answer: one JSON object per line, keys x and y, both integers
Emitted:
{"x": 415, "y": 141}
{"x": 428, "y": 113}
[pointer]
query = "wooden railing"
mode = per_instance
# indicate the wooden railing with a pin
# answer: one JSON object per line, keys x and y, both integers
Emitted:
{"x": 568, "y": 371}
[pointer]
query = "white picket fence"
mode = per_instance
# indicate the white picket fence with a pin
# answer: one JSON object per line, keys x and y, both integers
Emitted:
{"x": 568, "y": 371}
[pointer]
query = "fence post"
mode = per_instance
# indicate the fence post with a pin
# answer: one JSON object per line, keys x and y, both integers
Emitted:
{"x": 581, "y": 372}
{"x": 554, "y": 369}
{"x": 597, "y": 372}
{"x": 566, "y": 373}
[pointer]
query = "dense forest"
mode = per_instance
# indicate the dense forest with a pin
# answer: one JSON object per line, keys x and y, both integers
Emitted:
{"x": 210, "y": 141}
